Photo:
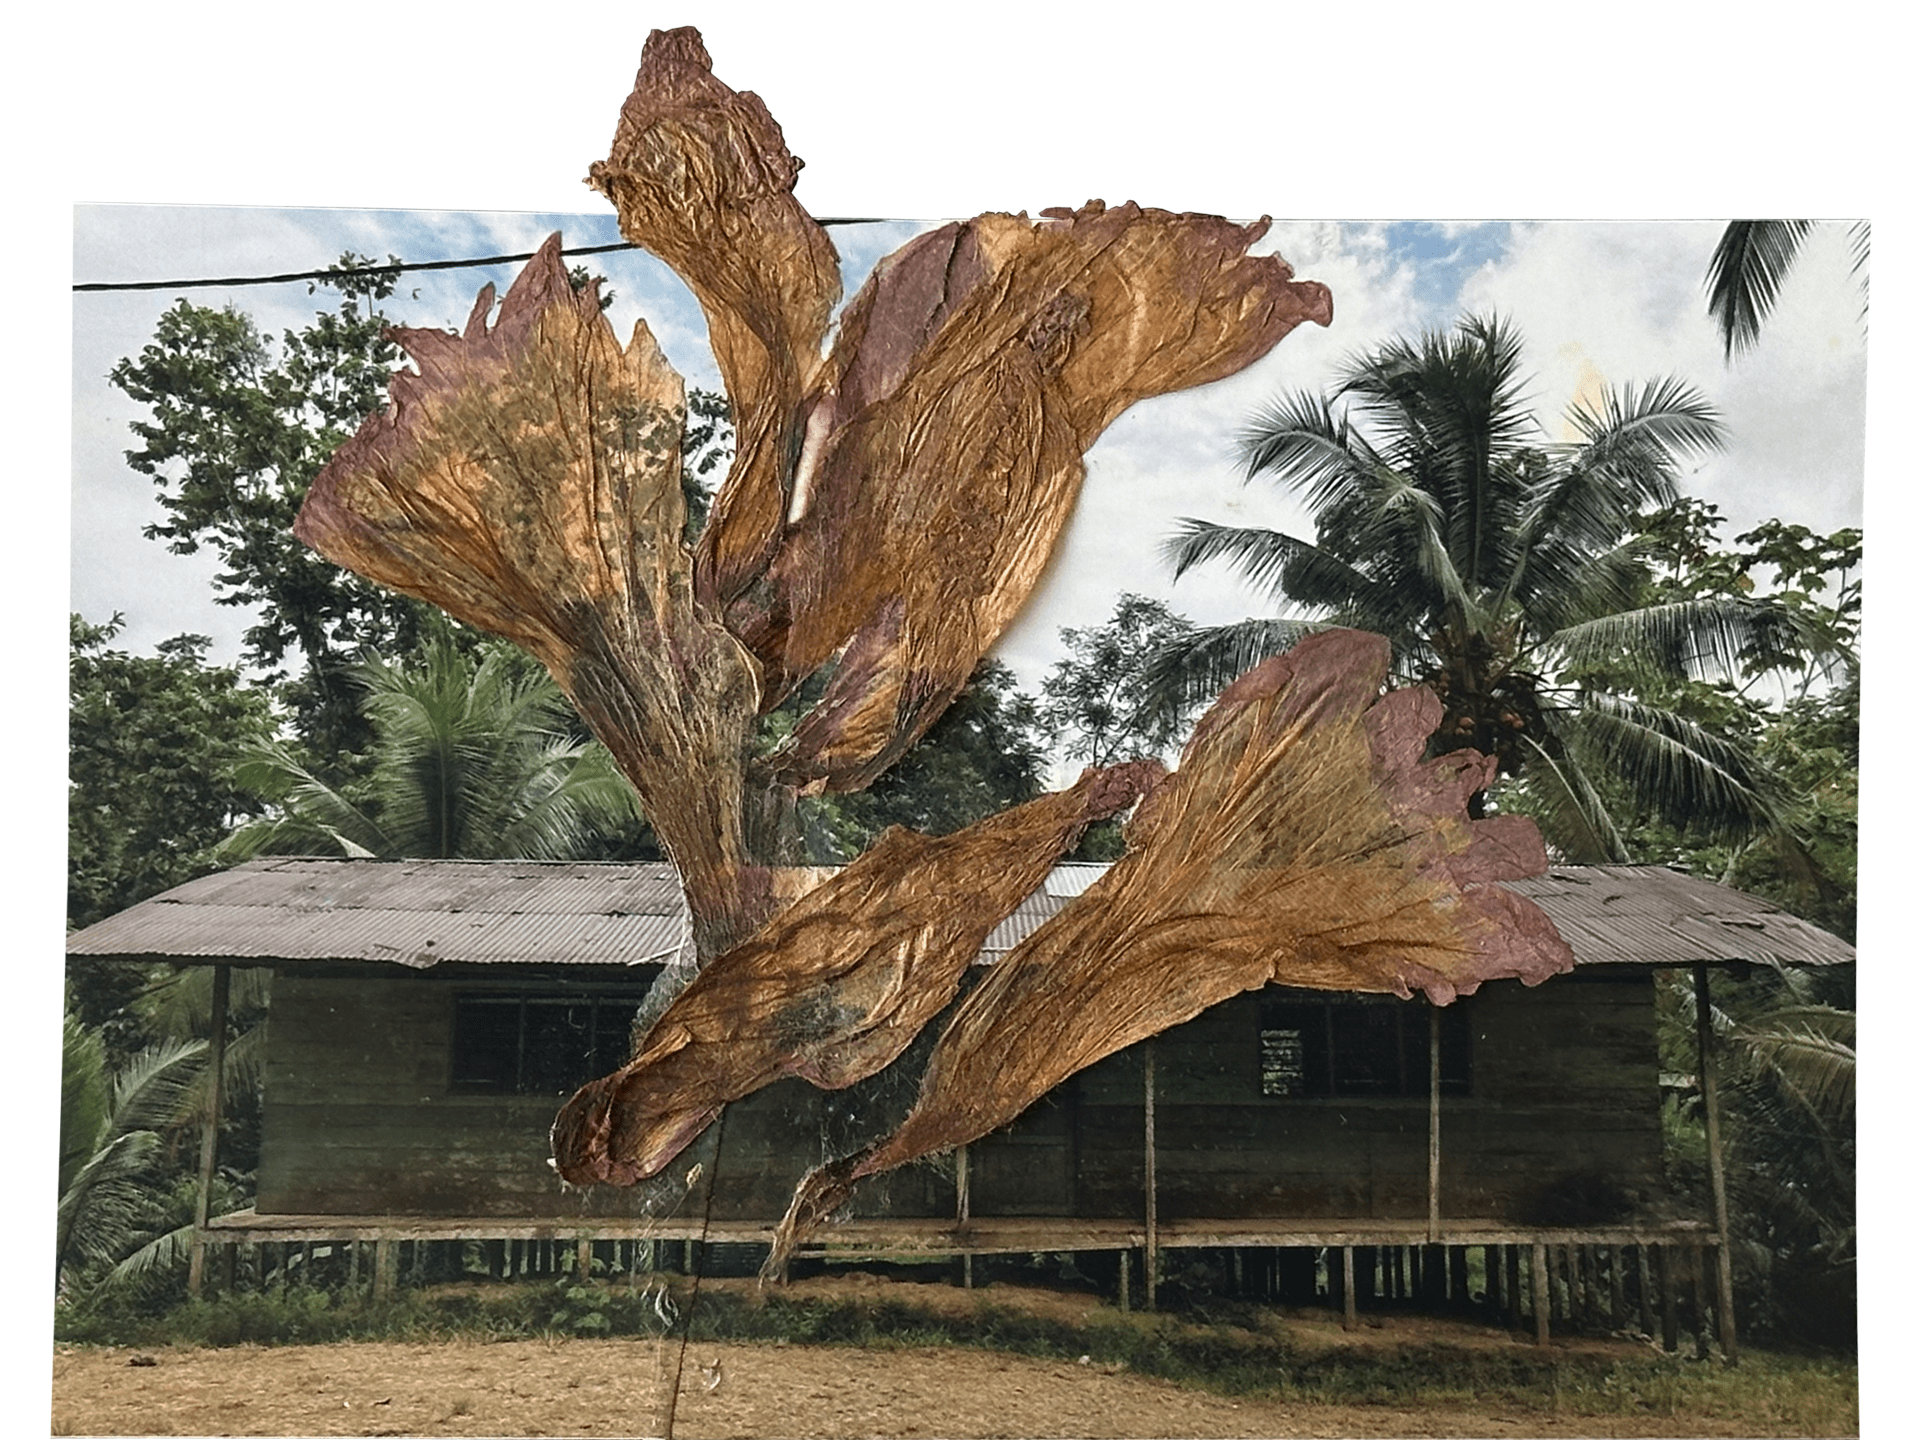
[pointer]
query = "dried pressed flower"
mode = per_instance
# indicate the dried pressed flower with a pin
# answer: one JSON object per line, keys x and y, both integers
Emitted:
{"x": 835, "y": 986}
{"x": 1302, "y": 841}
{"x": 890, "y": 506}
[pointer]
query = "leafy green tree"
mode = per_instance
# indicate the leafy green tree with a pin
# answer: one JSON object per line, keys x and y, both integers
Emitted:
{"x": 1510, "y": 576}
{"x": 1784, "y": 1044}
{"x": 1752, "y": 262}
{"x": 235, "y": 437}
{"x": 151, "y": 745}
{"x": 470, "y": 758}
{"x": 1097, "y": 704}
{"x": 1795, "y": 704}
{"x": 705, "y": 445}
{"x": 110, "y": 1222}
{"x": 983, "y": 755}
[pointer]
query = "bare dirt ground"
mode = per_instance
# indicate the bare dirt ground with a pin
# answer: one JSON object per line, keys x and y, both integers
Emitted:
{"x": 616, "y": 1387}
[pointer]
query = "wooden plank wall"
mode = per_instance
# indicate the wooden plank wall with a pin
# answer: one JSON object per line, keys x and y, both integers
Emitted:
{"x": 360, "y": 1119}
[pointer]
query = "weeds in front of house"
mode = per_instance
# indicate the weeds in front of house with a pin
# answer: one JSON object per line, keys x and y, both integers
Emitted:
{"x": 1235, "y": 1351}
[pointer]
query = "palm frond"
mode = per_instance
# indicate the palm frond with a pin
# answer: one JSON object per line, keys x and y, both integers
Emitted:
{"x": 1860, "y": 242}
{"x": 1744, "y": 276}
{"x": 103, "y": 1205}
{"x": 569, "y": 789}
{"x": 86, "y": 1096}
{"x": 1674, "y": 768}
{"x": 1630, "y": 453}
{"x": 151, "y": 1092}
{"x": 178, "y": 1001}
{"x": 1301, "y": 444}
{"x": 312, "y": 817}
{"x": 1588, "y": 500}
{"x": 1810, "y": 1050}
{"x": 1561, "y": 583}
{"x": 1260, "y": 555}
{"x": 1418, "y": 515}
{"x": 168, "y": 1251}
{"x": 1575, "y": 821}
{"x": 1210, "y": 658}
{"x": 1713, "y": 637}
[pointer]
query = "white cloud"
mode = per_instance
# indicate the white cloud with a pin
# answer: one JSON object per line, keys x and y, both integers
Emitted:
{"x": 1613, "y": 303}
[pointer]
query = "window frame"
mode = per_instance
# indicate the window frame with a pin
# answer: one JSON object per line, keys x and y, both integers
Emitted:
{"x": 610, "y": 1012}
{"x": 1322, "y": 1077}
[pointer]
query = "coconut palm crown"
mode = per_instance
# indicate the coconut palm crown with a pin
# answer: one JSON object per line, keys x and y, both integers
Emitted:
{"x": 472, "y": 758}
{"x": 1508, "y": 574}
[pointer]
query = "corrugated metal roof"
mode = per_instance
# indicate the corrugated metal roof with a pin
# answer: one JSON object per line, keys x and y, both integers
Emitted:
{"x": 410, "y": 912}
{"x": 1653, "y": 915}
{"x": 426, "y": 912}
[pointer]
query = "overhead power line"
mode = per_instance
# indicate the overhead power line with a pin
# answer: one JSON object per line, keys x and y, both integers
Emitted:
{"x": 335, "y": 271}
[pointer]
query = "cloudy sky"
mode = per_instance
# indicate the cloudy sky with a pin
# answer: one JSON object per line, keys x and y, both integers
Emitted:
{"x": 1414, "y": 113}
{"x": 1599, "y": 303}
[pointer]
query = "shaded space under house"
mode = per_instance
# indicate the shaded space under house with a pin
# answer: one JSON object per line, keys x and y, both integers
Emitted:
{"x": 429, "y": 1016}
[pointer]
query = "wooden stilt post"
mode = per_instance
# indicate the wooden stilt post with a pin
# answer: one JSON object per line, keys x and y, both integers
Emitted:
{"x": 1152, "y": 1258}
{"x": 1542, "y": 1301}
{"x": 1669, "y": 1299}
{"x": 1645, "y": 1274}
{"x": 963, "y": 1207}
{"x": 1491, "y": 1257}
{"x": 1697, "y": 1272}
{"x": 1349, "y": 1299}
{"x": 1126, "y": 1264}
{"x": 1616, "y": 1288}
{"x": 383, "y": 1267}
{"x": 1513, "y": 1283}
{"x": 1716, "y": 1164}
{"x": 583, "y": 1259}
{"x": 1433, "y": 1123}
{"x": 210, "y": 1136}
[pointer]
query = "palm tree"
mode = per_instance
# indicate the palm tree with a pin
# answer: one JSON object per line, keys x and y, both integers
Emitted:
{"x": 469, "y": 760}
{"x": 1786, "y": 1039}
{"x": 1506, "y": 571}
{"x": 1751, "y": 263}
{"x": 107, "y": 1224}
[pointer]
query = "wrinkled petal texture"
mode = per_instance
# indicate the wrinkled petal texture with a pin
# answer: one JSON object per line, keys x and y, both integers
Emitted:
{"x": 527, "y": 480}
{"x": 701, "y": 176}
{"x": 835, "y": 987}
{"x": 1303, "y": 841}
{"x": 943, "y": 449}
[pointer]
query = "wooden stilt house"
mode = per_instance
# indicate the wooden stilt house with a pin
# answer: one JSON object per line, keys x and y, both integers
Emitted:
{"x": 427, "y": 1017}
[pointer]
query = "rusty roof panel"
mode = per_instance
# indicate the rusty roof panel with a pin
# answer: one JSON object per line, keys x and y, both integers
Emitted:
{"x": 530, "y": 912}
{"x": 1653, "y": 915}
{"x": 407, "y": 912}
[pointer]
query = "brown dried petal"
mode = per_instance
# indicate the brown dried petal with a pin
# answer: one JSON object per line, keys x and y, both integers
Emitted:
{"x": 701, "y": 176}
{"x": 836, "y": 986}
{"x": 1303, "y": 841}
{"x": 973, "y": 371}
{"x": 527, "y": 480}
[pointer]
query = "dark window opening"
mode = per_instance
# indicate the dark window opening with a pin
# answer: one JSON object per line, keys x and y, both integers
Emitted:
{"x": 507, "y": 1044}
{"x": 1352, "y": 1049}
